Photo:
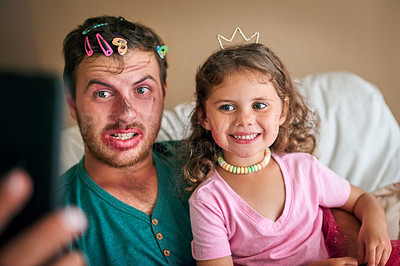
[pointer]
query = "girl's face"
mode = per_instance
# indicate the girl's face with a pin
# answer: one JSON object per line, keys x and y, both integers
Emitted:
{"x": 244, "y": 115}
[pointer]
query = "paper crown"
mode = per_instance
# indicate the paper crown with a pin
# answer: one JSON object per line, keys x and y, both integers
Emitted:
{"x": 255, "y": 36}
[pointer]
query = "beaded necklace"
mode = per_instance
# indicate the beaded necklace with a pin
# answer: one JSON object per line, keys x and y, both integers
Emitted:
{"x": 240, "y": 170}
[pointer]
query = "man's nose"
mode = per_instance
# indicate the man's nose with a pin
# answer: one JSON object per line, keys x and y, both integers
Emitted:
{"x": 125, "y": 111}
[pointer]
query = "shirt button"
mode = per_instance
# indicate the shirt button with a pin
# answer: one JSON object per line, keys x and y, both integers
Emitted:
{"x": 166, "y": 252}
{"x": 154, "y": 221}
{"x": 159, "y": 236}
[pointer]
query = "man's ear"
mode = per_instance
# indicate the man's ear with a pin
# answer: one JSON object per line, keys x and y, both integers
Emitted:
{"x": 165, "y": 89}
{"x": 285, "y": 109}
{"x": 202, "y": 117}
{"x": 71, "y": 103}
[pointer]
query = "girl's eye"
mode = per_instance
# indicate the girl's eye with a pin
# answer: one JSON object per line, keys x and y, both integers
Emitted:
{"x": 102, "y": 94}
{"x": 142, "y": 90}
{"x": 259, "y": 106}
{"x": 226, "y": 107}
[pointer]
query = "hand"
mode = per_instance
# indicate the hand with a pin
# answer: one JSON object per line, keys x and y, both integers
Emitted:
{"x": 44, "y": 240}
{"x": 335, "y": 262}
{"x": 374, "y": 244}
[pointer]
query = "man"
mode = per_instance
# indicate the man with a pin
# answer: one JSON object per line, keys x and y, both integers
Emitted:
{"x": 115, "y": 73}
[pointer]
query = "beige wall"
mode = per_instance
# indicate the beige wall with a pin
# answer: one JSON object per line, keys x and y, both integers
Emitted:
{"x": 311, "y": 36}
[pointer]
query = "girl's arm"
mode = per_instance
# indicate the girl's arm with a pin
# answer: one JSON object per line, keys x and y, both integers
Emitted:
{"x": 225, "y": 261}
{"x": 373, "y": 241}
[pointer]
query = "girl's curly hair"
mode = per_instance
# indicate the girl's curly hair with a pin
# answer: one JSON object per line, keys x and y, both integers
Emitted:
{"x": 297, "y": 134}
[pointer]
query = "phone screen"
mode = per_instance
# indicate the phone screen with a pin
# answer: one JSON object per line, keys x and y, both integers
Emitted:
{"x": 31, "y": 120}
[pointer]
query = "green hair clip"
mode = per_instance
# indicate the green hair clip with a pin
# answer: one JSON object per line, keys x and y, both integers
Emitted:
{"x": 95, "y": 26}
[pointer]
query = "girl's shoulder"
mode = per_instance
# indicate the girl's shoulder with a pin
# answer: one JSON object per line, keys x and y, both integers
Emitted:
{"x": 295, "y": 157}
{"x": 297, "y": 161}
{"x": 213, "y": 186}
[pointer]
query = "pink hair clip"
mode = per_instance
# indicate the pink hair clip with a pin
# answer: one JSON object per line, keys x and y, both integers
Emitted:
{"x": 101, "y": 40}
{"x": 88, "y": 49}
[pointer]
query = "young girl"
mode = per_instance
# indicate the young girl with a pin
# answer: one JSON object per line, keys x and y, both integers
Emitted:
{"x": 258, "y": 191}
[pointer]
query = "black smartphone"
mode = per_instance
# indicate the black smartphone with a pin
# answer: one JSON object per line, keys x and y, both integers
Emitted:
{"x": 31, "y": 121}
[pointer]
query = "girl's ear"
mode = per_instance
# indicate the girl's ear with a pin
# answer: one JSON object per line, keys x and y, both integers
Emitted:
{"x": 202, "y": 117}
{"x": 285, "y": 109}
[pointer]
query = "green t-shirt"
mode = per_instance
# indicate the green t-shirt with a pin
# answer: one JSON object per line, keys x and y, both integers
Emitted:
{"x": 119, "y": 234}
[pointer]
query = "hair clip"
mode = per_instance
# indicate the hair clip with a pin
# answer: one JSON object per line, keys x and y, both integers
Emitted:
{"x": 88, "y": 49}
{"x": 122, "y": 45}
{"x": 162, "y": 51}
{"x": 219, "y": 37}
{"x": 101, "y": 40}
{"x": 95, "y": 26}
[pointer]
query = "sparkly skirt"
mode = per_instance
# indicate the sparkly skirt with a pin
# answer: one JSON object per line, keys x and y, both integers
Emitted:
{"x": 337, "y": 243}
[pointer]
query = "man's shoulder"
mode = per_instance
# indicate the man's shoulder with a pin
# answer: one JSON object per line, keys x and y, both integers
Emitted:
{"x": 70, "y": 175}
{"x": 178, "y": 151}
{"x": 171, "y": 147}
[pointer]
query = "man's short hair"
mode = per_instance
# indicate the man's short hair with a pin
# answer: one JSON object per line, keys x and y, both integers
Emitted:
{"x": 137, "y": 36}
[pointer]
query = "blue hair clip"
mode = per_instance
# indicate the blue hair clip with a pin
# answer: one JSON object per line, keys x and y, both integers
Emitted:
{"x": 95, "y": 26}
{"x": 162, "y": 51}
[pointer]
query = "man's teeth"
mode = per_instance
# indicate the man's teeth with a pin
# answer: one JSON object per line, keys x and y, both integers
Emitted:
{"x": 123, "y": 136}
{"x": 247, "y": 137}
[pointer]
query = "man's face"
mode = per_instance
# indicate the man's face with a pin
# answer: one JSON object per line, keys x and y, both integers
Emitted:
{"x": 118, "y": 107}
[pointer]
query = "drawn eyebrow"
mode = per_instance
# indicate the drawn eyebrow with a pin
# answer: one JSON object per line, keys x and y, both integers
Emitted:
{"x": 96, "y": 81}
{"x": 99, "y": 82}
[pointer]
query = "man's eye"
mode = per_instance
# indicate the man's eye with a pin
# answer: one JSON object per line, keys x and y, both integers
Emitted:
{"x": 142, "y": 90}
{"x": 102, "y": 94}
{"x": 226, "y": 107}
{"x": 259, "y": 106}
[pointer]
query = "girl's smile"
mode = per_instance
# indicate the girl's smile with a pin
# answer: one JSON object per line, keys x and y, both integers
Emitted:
{"x": 245, "y": 138}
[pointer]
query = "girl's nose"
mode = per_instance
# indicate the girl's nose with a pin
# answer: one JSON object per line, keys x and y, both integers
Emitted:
{"x": 244, "y": 119}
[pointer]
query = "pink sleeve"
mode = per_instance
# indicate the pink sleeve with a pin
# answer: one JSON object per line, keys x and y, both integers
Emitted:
{"x": 333, "y": 190}
{"x": 210, "y": 240}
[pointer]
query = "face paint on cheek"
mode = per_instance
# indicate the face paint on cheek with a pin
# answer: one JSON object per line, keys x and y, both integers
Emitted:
{"x": 86, "y": 121}
{"x": 145, "y": 109}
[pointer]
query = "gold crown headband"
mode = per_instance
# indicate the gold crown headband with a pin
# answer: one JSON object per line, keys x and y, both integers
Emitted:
{"x": 255, "y": 35}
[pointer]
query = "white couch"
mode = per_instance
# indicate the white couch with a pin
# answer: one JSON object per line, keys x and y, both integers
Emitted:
{"x": 359, "y": 140}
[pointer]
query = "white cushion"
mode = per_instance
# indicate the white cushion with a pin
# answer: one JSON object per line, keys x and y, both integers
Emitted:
{"x": 359, "y": 140}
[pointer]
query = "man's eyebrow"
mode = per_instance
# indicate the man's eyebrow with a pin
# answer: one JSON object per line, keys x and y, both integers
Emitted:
{"x": 145, "y": 78}
{"x": 99, "y": 82}
{"x": 96, "y": 81}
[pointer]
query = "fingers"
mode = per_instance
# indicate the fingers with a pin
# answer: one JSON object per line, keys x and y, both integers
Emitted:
{"x": 347, "y": 261}
{"x": 370, "y": 256}
{"x": 75, "y": 258}
{"x": 383, "y": 252}
{"x": 46, "y": 238}
{"x": 351, "y": 261}
{"x": 15, "y": 189}
{"x": 385, "y": 256}
{"x": 378, "y": 254}
{"x": 360, "y": 253}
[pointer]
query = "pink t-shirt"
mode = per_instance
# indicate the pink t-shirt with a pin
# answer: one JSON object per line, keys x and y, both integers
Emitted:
{"x": 224, "y": 224}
